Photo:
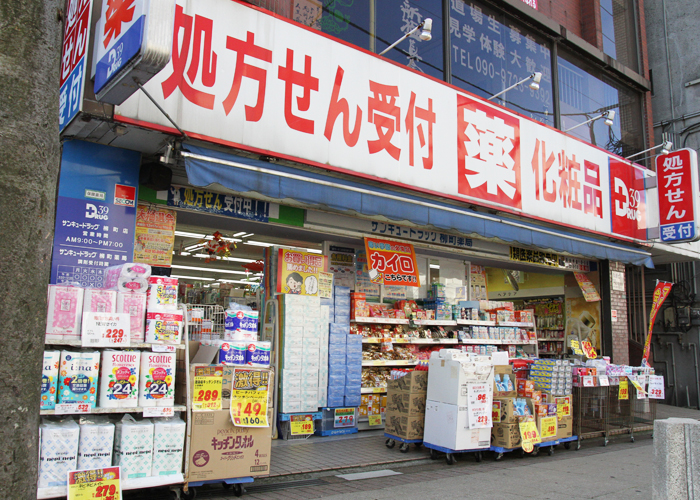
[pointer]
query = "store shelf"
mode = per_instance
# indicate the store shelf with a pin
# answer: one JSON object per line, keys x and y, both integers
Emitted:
{"x": 363, "y": 425}
{"x": 475, "y": 322}
{"x": 499, "y": 342}
{"x": 549, "y": 340}
{"x": 380, "y": 321}
{"x": 373, "y": 390}
{"x": 436, "y": 322}
{"x": 126, "y": 484}
{"x": 388, "y": 362}
{"x": 551, "y": 328}
{"x": 98, "y": 410}
{"x": 434, "y": 341}
{"x": 377, "y": 340}
{"x": 78, "y": 343}
{"x": 516, "y": 324}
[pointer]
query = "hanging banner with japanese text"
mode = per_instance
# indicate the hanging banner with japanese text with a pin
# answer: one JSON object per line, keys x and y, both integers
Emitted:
{"x": 678, "y": 195}
{"x": 155, "y": 235}
{"x": 391, "y": 262}
{"x": 222, "y": 204}
{"x": 273, "y": 87}
{"x": 298, "y": 272}
{"x": 587, "y": 287}
{"x": 663, "y": 288}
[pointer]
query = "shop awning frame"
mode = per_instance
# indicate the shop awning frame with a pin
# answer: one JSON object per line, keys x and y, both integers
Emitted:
{"x": 206, "y": 167}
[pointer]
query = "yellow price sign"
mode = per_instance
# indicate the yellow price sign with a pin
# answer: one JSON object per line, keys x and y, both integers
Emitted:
{"x": 641, "y": 393}
{"x": 563, "y": 409}
{"x": 249, "y": 408}
{"x": 548, "y": 427}
{"x": 529, "y": 436}
{"x": 624, "y": 389}
{"x": 496, "y": 412}
{"x": 576, "y": 347}
{"x": 95, "y": 483}
{"x": 375, "y": 420}
{"x": 207, "y": 391}
{"x": 301, "y": 427}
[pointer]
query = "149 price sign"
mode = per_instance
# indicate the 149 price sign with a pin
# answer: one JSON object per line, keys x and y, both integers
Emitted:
{"x": 249, "y": 408}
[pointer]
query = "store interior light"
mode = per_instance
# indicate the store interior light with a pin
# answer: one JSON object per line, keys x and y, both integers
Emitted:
{"x": 185, "y": 254}
{"x": 239, "y": 234}
{"x": 207, "y": 269}
{"x": 186, "y": 234}
{"x": 196, "y": 278}
{"x": 314, "y": 250}
{"x": 240, "y": 282}
{"x": 425, "y": 28}
{"x": 434, "y": 266}
{"x": 231, "y": 259}
{"x": 247, "y": 235}
{"x": 535, "y": 78}
{"x": 258, "y": 244}
{"x": 192, "y": 247}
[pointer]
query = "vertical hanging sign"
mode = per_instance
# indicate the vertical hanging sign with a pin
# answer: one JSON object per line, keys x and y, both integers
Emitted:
{"x": 661, "y": 291}
{"x": 677, "y": 180}
{"x": 76, "y": 34}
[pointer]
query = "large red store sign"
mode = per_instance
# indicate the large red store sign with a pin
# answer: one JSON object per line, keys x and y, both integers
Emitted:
{"x": 244, "y": 78}
{"x": 678, "y": 195}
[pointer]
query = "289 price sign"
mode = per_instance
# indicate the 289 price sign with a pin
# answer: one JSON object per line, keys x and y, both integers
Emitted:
{"x": 207, "y": 390}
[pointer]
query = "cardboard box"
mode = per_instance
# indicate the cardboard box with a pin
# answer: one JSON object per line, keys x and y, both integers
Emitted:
{"x": 505, "y": 435}
{"x": 506, "y": 411}
{"x": 547, "y": 427}
{"x": 565, "y": 427}
{"x": 525, "y": 388}
{"x": 415, "y": 382}
{"x": 403, "y": 426}
{"x": 409, "y": 404}
{"x": 504, "y": 371}
{"x": 446, "y": 425}
{"x": 220, "y": 450}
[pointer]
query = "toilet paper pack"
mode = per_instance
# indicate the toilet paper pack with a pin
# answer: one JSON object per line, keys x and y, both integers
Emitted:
{"x": 130, "y": 270}
{"x": 49, "y": 379}
{"x": 163, "y": 327}
{"x": 162, "y": 293}
{"x": 100, "y": 301}
{"x": 133, "y": 304}
{"x": 157, "y": 380}
{"x": 64, "y": 314}
{"x": 96, "y": 443}
{"x": 168, "y": 444}
{"x": 133, "y": 447}
{"x": 58, "y": 452}
{"x": 78, "y": 377}
{"x": 119, "y": 380}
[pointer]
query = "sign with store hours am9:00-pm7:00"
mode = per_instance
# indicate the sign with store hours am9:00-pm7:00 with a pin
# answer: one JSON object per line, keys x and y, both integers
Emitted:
{"x": 106, "y": 329}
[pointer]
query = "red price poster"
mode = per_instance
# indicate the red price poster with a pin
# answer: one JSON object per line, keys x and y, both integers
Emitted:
{"x": 298, "y": 272}
{"x": 94, "y": 483}
{"x": 480, "y": 407}
{"x": 391, "y": 262}
{"x": 249, "y": 396}
{"x": 106, "y": 330}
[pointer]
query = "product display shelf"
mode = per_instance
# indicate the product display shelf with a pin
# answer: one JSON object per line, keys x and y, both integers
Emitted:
{"x": 78, "y": 343}
{"x": 100, "y": 411}
{"x": 373, "y": 390}
{"x": 499, "y": 451}
{"x": 380, "y": 321}
{"x": 544, "y": 339}
{"x": 435, "y": 322}
{"x": 126, "y": 484}
{"x": 363, "y": 424}
{"x": 378, "y": 340}
{"x": 389, "y": 362}
{"x": 475, "y": 322}
{"x": 499, "y": 342}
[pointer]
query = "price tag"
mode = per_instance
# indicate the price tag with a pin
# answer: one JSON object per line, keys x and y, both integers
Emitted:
{"x": 563, "y": 409}
{"x": 588, "y": 381}
{"x": 375, "y": 420}
{"x": 163, "y": 348}
{"x": 249, "y": 397}
{"x": 301, "y": 425}
{"x": 95, "y": 483}
{"x": 529, "y": 436}
{"x": 548, "y": 427}
{"x": 344, "y": 417}
{"x": 496, "y": 411}
{"x": 657, "y": 389}
{"x": 641, "y": 393}
{"x": 72, "y": 408}
{"x": 623, "y": 392}
{"x": 576, "y": 347}
{"x": 480, "y": 413}
{"x": 158, "y": 411}
{"x": 208, "y": 384}
{"x": 603, "y": 381}
{"x": 106, "y": 330}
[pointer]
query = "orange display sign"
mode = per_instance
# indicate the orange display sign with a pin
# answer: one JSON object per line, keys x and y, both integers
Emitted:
{"x": 391, "y": 262}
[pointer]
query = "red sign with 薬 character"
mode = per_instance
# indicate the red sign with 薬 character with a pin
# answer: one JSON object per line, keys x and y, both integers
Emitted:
{"x": 393, "y": 261}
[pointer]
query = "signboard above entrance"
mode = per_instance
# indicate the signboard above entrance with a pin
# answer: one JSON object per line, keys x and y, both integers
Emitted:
{"x": 273, "y": 87}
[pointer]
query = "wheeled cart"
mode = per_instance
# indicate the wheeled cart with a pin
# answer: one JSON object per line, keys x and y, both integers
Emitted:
{"x": 235, "y": 483}
{"x": 499, "y": 450}
{"x": 450, "y": 454}
{"x": 391, "y": 442}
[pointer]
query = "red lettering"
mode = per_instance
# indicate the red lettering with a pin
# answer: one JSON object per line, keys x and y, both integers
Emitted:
{"x": 247, "y": 48}
{"x": 304, "y": 80}
{"x": 574, "y": 185}
{"x": 338, "y": 107}
{"x": 386, "y": 123}
{"x": 428, "y": 116}
{"x": 118, "y": 12}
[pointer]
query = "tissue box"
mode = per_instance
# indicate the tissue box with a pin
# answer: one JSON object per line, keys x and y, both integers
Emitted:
{"x": 168, "y": 445}
{"x": 58, "y": 453}
{"x": 96, "y": 443}
{"x": 78, "y": 377}
{"x": 133, "y": 447}
{"x": 49, "y": 379}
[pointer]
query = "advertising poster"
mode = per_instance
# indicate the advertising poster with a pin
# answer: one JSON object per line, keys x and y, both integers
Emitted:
{"x": 363, "y": 284}
{"x": 587, "y": 287}
{"x": 583, "y": 321}
{"x": 663, "y": 288}
{"x": 155, "y": 235}
{"x": 342, "y": 265}
{"x": 298, "y": 272}
{"x": 391, "y": 262}
{"x": 249, "y": 397}
{"x": 477, "y": 283}
{"x": 325, "y": 285}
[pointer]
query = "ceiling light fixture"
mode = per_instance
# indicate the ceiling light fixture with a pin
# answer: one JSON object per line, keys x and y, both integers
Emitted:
{"x": 207, "y": 269}
{"x": 196, "y": 278}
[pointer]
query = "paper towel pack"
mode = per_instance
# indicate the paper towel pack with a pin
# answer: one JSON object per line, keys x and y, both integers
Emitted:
{"x": 134, "y": 304}
{"x": 49, "y": 379}
{"x": 58, "y": 452}
{"x": 65, "y": 312}
{"x": 168, "y": 443}
{"x": 162, "y": 293}
{"x": 157, "y": 380}
{"x": 133, "y": 447}
{"x": 78, "y": 377}
{"x": 96, "y": 443}
{"x": 119, "y": 380}
{"x": 130, "y": 270}
{"x": 100, "y": 301}
{"x": 163, "y": 327}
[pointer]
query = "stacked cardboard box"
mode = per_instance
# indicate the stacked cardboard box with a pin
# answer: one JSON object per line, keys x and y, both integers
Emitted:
{"x": 372, "y": 404}
{"x": 405, "y": 405}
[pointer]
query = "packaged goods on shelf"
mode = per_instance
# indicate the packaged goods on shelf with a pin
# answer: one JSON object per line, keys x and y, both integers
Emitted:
{"x": 65, "y": 312}
{"x": 133, "y": 447}
{"x": 157, "y": 379}
{"x": 258, "y": 354}
{"x": 96, "y": 442}
{"x": 79, "y": 377}
{"x": 133, "y": 304}
{"x": 168, "y": 445}
{"x": 49, "y": 379}
{"x": 119, "y": 277}
{"x": 162, "y": 294}
{"x": 163, "y": 327}
{"x": 100, "y": 301}
{"x": 58, "y": 452}
{"x": 119, "y": 379}
{"x": 233, "y": 352}
{"x": 241, "y": 324}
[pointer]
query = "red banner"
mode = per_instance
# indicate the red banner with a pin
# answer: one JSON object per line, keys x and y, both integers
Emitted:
{"x": 663, "y": 288}
{"x": 391, "y": 262}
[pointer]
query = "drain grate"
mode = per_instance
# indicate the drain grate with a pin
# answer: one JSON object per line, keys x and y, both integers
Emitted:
{"x": 263, "y": 488}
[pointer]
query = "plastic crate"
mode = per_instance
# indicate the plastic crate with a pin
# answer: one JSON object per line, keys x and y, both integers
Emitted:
{"x": 327, "y": 425}
{"x": 284, "y": 428}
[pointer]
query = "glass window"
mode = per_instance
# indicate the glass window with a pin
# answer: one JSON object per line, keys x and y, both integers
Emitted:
{"x": 583, "y": 96}
{"x": 490, "y": 53}
{"x": 348, "y": 20}
{"x": 619, "y": 31}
